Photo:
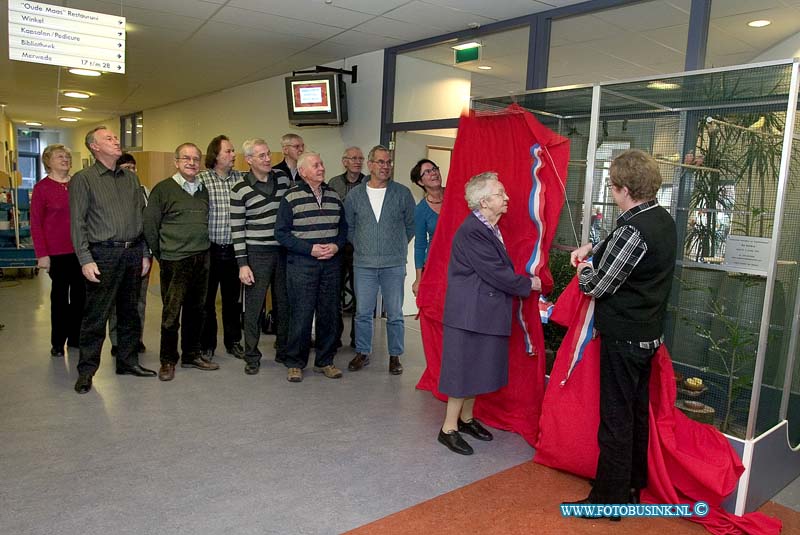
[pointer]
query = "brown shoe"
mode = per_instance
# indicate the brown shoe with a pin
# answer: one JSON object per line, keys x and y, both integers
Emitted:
{"x": 395, "y": 368}
{"x": 295, "y": 375}
{"x": 358, "y": 362}
{"x": 201, "y": 364}
{"x": 330, "y": 371}
{"x": 167, "y": 372}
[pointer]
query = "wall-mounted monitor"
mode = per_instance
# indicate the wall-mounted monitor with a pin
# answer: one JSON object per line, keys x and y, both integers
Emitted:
{"x": 316, "y": 99}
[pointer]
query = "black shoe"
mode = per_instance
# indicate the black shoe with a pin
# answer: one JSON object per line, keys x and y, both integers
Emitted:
{"x": 83, "y": 384}
{"x": 141, "y": 348}
{"x": 236, "y": 351}
{"x": 455, "y": 443}
{"x": 251, "y": 369}
{"x": 395, "y": 368}
{"x": 474, "y": 428}
{"x": 55, "y": 352}
{"x": 114, "y": 351}
{"x": 358, "y": 362}
{"x": 590, "y": 500}
{"x": 135, "y": 370}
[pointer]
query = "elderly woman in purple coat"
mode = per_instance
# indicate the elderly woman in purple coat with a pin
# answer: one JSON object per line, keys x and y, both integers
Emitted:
{"x": 481, "y": 286}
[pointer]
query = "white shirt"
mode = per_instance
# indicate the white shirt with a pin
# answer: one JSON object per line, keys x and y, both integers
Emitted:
{"x": 189, "y": 187}
{"x": 376, "y": 196}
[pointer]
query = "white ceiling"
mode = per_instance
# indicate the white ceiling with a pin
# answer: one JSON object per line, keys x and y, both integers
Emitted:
{"x": 178, "y": 49}
{"x": 627, "y": 42}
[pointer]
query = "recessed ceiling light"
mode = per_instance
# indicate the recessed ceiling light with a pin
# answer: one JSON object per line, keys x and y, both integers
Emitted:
{"x": 484, "y": 67}
{"x": 33, "y": 123}
{"x": 759, "y": 23}
{"x": 76, "y": 94}
{"x": 84, "y": 72}
{"x": 662, "y": 85}
{"x": 68, "y": 119}
{"x": 465, "y": 46}
{"x": 73, "y": 109}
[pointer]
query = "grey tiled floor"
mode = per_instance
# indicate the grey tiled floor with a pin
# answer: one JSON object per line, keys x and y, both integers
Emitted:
{"x": 214, "y": 452}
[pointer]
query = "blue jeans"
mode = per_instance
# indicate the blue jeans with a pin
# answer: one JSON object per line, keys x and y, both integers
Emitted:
{"x": 390, "y": 281}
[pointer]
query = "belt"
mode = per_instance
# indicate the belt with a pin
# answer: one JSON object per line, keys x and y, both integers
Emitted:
{"x": 120, "y": 244}
{"x": 221, "y": 246}
{"x": 649, "y": 345}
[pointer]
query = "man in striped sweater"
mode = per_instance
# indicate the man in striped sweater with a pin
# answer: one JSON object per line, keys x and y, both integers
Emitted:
{"x": 312, "y": 227}
{"x": 254, "y": 207}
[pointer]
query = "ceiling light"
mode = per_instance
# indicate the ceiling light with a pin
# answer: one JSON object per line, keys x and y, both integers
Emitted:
{"x": 84, "y": 72}
{"x": 33, "y": 123}
{"x": 68, "y": 119}
{"x": 76, "y": 94}
{"x": 465, "y": 46}
{"x": 73, "y": 109}
{"x": 759, "y": 23}
{"x": 658, "y": 84}
{"x": 484, "y": 67}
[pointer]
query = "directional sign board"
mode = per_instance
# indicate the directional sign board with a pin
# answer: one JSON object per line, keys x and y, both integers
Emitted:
{"x": 57, "y": 35}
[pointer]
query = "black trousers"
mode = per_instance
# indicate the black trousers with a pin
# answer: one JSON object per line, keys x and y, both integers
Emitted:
{"x": 67, "y": 298}
{"x": 120, "y": 281}
{"x": 183, "y": 290}
{"x": 313, "y": 288}
{"x": 346, "y": 284}
{"x": 223, "y": 273}
{"x": 624, "y": 412}
{"x": 269, "y": 268}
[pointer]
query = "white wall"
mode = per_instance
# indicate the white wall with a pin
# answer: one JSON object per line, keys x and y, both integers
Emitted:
{"x": 426, "y": 91}
{"x": 258, "y": 109}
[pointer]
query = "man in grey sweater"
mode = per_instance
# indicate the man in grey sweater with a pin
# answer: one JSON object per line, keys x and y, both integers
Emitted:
{"x": 380, "y": 221}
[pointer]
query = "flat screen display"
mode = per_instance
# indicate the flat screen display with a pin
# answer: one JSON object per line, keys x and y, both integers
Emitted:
{"x": 311, "y": 95}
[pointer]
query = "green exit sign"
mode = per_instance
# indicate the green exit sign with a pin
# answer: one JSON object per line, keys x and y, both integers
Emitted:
{"x": 467, "y": 54}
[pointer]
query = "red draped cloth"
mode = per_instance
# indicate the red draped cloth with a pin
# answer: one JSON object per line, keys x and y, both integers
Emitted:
{"x": 687, "y": 461}
{"x": 529, "y": 159}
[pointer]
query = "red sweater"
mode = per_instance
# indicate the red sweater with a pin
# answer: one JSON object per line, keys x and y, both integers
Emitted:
{"x": 50, "y": 218}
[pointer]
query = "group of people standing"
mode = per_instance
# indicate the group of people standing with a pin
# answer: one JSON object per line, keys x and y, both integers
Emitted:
{"x": 286, "y": 228}
{"x": 282, "y": 228}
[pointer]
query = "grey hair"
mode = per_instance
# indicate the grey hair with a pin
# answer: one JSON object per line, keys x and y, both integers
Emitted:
{"x": 248, "y": 147}
{"x": 348, "y": 149}
{"x": 90, "y": 136}
{"x": 375, "y": 149}
{"x": 301, "y": 161}
{"x": 477, "y": 189}
{"x": 286, "y": 139}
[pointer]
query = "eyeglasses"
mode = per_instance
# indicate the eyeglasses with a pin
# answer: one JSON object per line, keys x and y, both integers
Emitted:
{"x": 354, "y": 158}
{"x": 266, "y": 156}
{"x": 501, "y": 194}
{"x": 296, "y": 146}
{"x": 188, "y": 159}
{"x": 429, "y": 171}
{"x": 383, "y": 163}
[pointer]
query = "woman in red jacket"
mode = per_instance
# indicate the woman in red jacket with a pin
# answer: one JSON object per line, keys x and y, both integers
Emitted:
{"x": 53, "y": 247}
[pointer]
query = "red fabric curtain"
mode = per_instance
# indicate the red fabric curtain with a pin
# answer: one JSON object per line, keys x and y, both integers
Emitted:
{"x": 687, "y": 461}
{"x": 529, "y": 159}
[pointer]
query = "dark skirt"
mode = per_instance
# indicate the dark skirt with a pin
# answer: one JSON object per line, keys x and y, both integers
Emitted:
{"x": 472, "y": 363}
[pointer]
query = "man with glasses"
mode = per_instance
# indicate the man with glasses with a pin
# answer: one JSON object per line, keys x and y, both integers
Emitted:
{"x": 380, "y": 220}
{"x": 219, "y": 178}
{"x": 292, "y": 146}
{"x": 353, "y": 161}
{"x": 254, "y": 207}
{"x": 176, "y": 230}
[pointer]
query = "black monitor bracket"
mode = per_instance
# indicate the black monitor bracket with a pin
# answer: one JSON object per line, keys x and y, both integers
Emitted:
{"x": 319, "y": 68}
